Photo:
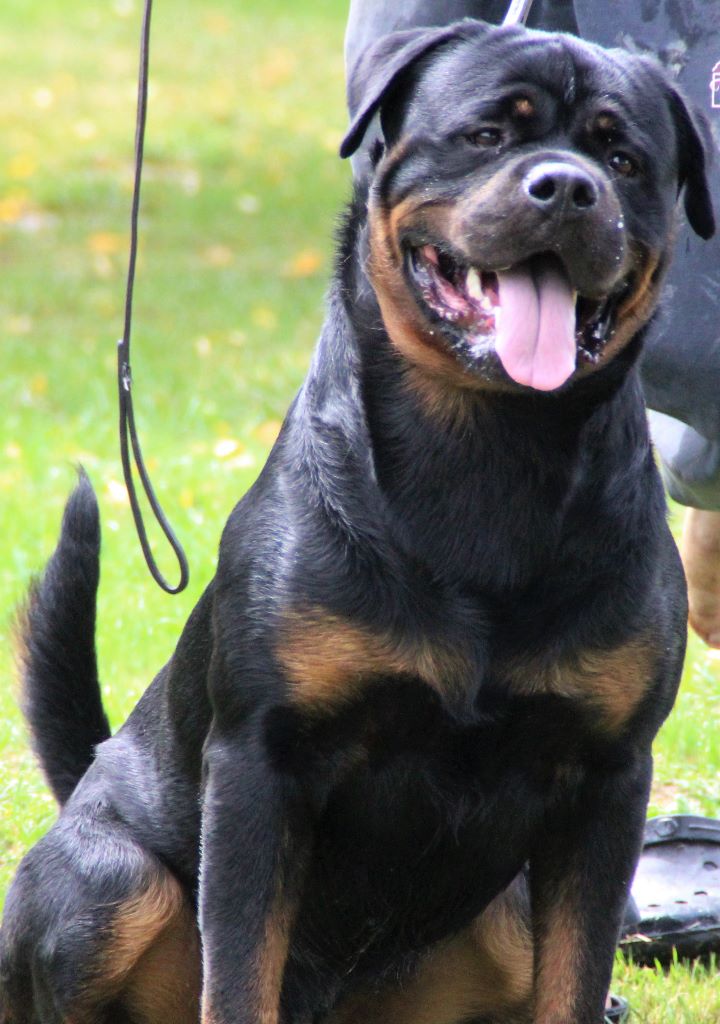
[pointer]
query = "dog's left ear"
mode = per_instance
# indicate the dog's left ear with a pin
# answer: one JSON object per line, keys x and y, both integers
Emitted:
{"x": 378, "y": 67}
{"x": 695, "y": 149}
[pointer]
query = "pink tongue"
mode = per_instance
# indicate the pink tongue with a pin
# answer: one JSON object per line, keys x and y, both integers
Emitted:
{"x": 535, "y": 337}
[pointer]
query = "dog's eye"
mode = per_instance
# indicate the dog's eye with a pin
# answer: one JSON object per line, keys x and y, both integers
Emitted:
{"x": 623, "y": 164}
{"x": 486, "y": 137}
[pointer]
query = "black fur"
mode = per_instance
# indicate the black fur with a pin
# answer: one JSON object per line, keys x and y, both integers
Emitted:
{"x": 61, "y": 692}
{"x": 447, "y": 622}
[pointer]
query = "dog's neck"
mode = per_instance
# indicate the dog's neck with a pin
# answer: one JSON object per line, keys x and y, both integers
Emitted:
{"x": 435, "y": 486}
{"x": 448, "y": 481}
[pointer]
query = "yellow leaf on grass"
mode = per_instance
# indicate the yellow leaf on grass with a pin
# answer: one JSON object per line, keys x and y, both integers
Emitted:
{"x": 12, "y": 208}
{"x": 217, "y": 24}
{"x": 38, "y": 385}
{"x": 22, "y": 166}
{"x": 106, "y": 242}
{"x": 103, "y": 265}
{"x": 19, "y": 323}
{"x": 267, "y": 432}
{"x": 85, "y": 130}
{"x": 278, "y": 67}
{"x": 218, "y": 255}
{"x": 263, "y": 316}
{"x": 330, "y": 141}
{"x": 305, "y": 263}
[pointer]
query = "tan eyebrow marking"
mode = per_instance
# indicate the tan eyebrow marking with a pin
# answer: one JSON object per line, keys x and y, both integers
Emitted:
{"x": 523, "y": 106}
{"x": 606, "y": 122}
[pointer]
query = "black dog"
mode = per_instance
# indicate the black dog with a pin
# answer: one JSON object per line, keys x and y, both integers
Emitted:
{"x": 397, "y": 768}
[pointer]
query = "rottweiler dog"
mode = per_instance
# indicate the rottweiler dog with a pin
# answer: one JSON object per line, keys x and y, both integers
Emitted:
{"x": 396, "y": 770}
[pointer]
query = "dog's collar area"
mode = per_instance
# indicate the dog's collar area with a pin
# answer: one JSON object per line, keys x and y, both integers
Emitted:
{"x": 468, "y": 303}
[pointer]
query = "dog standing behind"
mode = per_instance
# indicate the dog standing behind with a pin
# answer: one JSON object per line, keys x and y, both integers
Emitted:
{"x": 397, "y": 768}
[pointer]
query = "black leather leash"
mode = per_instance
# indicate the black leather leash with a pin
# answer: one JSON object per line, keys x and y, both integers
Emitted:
{"x": 129, "y": 442}
{"x": 128, "y": 433}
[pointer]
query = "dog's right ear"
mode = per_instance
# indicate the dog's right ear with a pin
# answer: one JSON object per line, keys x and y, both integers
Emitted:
{"x": 696, "y": 148}
{"x": 378, "y": 67}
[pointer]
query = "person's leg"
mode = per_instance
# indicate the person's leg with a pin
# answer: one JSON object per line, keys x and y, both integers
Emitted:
{"x": 700, "y": 550}
{"x": 691, "y": 467}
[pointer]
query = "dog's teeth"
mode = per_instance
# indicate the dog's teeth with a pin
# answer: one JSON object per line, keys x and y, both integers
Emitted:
{"x": 474, "y": 285}
{"x": 476, "y": 292}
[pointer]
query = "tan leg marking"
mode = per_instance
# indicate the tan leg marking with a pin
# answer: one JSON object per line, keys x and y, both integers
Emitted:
{"x": 140, "y": 920}
{"x": 559, "y": 967}
{"x": 487, "y": 968}
{"x": 149, "y": 960}
{"x": 273, "y": 958}
{"x": 164, "y": 986}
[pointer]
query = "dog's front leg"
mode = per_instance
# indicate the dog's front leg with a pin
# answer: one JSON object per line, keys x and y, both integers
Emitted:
{"x": 254, "y": 850}
{"x": 580, "y": 874}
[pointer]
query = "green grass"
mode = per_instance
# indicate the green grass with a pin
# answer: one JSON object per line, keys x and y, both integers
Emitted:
{"x": 241, "y": 191}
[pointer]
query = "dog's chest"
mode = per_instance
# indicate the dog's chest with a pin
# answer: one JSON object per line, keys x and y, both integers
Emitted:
{"x": 408, "y": 802}
{"x": 332, "y": 663}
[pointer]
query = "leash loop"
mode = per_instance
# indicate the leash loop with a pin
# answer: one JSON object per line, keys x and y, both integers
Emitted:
{"x": 129, "y": 442}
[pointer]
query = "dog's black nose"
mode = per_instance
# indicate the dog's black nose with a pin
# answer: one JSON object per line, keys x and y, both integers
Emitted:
{"x": 555, "y": 185}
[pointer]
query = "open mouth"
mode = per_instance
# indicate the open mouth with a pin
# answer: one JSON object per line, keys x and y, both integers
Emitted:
{"x": 529, "y": 314}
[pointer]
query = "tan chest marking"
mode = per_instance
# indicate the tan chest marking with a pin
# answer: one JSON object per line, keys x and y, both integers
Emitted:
{"x": 612, "y": 682}
{"x": 329, "y": 660}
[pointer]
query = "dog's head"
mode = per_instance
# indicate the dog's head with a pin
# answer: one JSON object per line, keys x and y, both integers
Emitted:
{"x": 522, "y": 206}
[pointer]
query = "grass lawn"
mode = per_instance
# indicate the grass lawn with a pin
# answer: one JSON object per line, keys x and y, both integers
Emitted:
{"x": 241, "y": 191}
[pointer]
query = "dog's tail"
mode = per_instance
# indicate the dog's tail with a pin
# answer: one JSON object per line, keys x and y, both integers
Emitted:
{"x": 61, "y": 690}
